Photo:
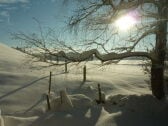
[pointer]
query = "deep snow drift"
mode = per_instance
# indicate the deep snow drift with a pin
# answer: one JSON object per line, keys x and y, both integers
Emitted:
{"x": 128, "y": 97}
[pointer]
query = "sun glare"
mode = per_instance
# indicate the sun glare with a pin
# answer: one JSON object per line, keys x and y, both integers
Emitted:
{"x": 125, "y": 22}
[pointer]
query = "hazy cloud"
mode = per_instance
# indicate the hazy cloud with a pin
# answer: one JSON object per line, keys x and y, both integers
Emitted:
{"x": 25, "y": 6}
{"x": 7, "y": 6}
{"x": 1, "y": 20}
{"x": 11, "y": 8}
{"x": 3, "y": 5}
{"x": 53, "y": 1}
{"x": 13, "y": 1}
{"x": 6, "y": 15}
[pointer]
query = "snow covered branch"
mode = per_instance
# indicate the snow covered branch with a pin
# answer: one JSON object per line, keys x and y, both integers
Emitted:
{"x": 103, "y": 57}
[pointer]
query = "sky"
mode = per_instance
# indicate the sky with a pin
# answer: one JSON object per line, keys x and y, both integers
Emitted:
{"x": 17, "y": 16}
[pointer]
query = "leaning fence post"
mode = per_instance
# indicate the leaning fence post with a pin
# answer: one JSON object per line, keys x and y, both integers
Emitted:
{"x": 49, "y": 88}
{"x": 99, "y": 90}
{"x": 66, "y": 66}
{"x": 61, "y": 99}
{"x": 99, "y": 100}
{"x": 84, "y": 73}
{"x": 48, "y": 102}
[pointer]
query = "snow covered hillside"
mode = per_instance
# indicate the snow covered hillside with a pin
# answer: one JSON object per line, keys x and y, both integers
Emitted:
{"x": 23, "y": 88}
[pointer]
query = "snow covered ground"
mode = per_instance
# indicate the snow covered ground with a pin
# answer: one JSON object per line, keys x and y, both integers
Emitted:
{"x": 23, "y": 86}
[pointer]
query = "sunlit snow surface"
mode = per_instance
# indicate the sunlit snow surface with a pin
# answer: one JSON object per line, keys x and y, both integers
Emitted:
{"x": 129, "y": 100}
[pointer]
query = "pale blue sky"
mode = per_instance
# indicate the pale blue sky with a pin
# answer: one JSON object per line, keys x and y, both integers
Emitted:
{"x": 17, "y": 15}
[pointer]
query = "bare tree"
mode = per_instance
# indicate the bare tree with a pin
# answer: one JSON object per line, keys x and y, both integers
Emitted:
{"x": 97, "y": 19}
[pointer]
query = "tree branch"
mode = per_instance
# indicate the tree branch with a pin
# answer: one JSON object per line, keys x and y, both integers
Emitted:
{"x": 103, "y": 57}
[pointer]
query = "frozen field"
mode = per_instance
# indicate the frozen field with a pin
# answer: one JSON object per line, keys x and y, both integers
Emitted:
{"x": 128, "y": 97}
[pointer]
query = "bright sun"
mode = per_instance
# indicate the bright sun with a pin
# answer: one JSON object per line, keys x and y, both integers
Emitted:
{"x": 125, "y": 22}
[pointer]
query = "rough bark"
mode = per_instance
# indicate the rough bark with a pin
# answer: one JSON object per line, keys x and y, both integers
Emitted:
{"x": 157, "y": 69}
{"x": 157, "y": 83}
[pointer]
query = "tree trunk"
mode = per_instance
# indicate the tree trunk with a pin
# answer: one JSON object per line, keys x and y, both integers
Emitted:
{"x": 157, "y": 83}
{"x": 157, "y": 69}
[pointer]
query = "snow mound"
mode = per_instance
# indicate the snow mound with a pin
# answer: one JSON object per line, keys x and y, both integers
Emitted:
{"x": 139, "y": 103}
{"x": 80, "y": 100}
{"x": 1, "y": 119}
{"x": 76, "y": 101}
{"x": 126, "y": 110}
{"x": 10, "y": 59}
{"x": 14, "y": 61}
{"x": 18, "y": 121}
{"x": 10, "y": 54}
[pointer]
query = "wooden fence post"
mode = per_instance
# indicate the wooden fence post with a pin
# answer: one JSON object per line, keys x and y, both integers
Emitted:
{"x": 49, "y": 88}
{"x": 48, "y": 102}
{"x": 61, "y": 99}
{"x": 99, "y": 90}
{"x": 66, "y": 66}
{"x": 84, "y": 73}
{"x": 99, "y": 100}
